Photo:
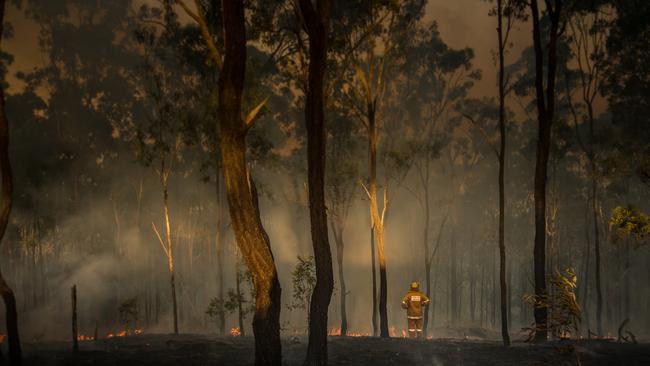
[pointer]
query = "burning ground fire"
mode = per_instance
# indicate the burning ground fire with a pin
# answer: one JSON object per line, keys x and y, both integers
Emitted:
{"x": 122, "y": 333}
{"x": 125, "y": 333}
{"x": 235, "y": 331}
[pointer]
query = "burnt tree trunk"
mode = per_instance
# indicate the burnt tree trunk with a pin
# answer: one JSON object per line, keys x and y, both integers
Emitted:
{"x": 75, "y": 329}
{"x": 545, "y": 98}
{"x": 317, "y": 24}
{"x": 15, "y": 354}
{"x": 242, "y": 197}
{"x": 337, "y": 230}
{"x": 502, "y": 150}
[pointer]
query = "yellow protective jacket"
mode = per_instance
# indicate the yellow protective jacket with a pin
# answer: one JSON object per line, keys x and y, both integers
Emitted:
{"x": 414, "y": 302}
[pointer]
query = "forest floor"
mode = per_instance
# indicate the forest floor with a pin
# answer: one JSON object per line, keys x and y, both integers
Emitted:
{"x": 195, "y": 349}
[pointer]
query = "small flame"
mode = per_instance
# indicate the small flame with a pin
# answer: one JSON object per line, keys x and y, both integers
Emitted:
{"x": 235, "y": 331}
{"x": 84, "y": 338}
{"x": 124, "y": 333}
{"x": 337, "y": 332}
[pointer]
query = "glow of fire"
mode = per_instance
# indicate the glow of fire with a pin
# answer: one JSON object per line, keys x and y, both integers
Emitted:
{"x": 235, "y": 331}
{"x": 84, "y": 338}
{"x": 124, "y": 333}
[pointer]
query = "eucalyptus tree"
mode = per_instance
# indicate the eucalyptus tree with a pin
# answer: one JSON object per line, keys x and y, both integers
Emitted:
{"x": 227, "y": 51}
{"x": 545, "y": 99}
{"x": 374, "y": 46}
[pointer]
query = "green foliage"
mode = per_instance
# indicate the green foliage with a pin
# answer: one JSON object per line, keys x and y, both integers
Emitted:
{"x": 128, "y": 310}
{"x": 303, "y": 279}
{"x": 564, "y": 312}
{"x": 216, "y": 308}
{"x": 630, "y": 221}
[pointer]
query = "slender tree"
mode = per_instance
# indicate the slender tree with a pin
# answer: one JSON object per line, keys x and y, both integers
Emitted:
{"x": 317, "y": 25}
{"x": 15, "y": 354}
{"x": 545, "y": 100}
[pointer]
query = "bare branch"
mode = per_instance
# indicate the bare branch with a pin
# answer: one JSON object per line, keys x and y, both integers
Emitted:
{"x": 162, "y": 243}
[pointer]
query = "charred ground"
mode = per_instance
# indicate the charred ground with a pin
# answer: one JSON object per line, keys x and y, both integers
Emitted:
{"x": 195, "y": 349}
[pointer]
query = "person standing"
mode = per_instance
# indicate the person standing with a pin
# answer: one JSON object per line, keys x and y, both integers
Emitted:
{"x": 415, "y": 303}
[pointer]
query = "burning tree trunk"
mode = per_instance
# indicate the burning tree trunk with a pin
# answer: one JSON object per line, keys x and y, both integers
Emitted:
{"x": 545, "y": 113}
{"x": 317, "y": 24}
{"x": 15, "y": 354}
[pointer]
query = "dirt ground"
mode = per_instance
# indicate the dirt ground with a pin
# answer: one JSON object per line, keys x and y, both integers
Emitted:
{"x": 193, "y": 349}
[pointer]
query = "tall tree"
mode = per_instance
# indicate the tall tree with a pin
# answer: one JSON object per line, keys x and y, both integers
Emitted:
{"x": 250, "y": 235}
{"x": 545, "y": 101}
{"x": 587, "y": 38}
{"x": 317, "y": 25}
{"x": 11, "y": 314}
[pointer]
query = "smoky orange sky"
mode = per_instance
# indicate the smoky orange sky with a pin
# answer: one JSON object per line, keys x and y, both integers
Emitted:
{"x": 462, "y": 23}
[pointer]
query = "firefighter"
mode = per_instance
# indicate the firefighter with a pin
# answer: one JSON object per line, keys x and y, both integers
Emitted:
{"x": 415, "y": 302}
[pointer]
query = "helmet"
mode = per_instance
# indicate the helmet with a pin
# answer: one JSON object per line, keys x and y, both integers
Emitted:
{"x": 414, "y": 285}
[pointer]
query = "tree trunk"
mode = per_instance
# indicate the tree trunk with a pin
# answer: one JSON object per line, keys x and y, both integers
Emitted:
{"x": 453, "y": 275}
{"x": 317, "y": 23}
{"x": 219, "y": 250}
{"x": 75, "y": 330}
{"x": 377, "y": 220}
{"x": 170, "y": 248}
{"x": 337, "y": 229}
{"x": 502, "y": 150}
{"x": 11, "y": 316}
{"x": 545, "y": 115}
{"x": 242, "y": 196}
{"x": 375, "y": 326}
{"x": 425, "y": 243}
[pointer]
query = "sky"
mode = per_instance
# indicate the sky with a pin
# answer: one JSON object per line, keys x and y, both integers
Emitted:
{"x": 462, "y": 23}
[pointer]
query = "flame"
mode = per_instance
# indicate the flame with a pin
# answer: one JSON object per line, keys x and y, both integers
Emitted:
{"x": 336, "y": 331}
{"x": 235, "y": 331}
{"x": 84, "y": 338}
{"x": 124, "y": 333}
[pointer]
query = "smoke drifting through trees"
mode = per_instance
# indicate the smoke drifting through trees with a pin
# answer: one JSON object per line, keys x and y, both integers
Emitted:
{"x": 84, "y": 202}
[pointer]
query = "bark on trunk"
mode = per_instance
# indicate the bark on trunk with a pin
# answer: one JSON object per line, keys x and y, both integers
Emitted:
{"x": 242, "y": 196}
{"x": 317, "y": 24}
{"x": 15, "y": 354}
{"x": 502, "y": 149}
{"x": 545, "y": 111}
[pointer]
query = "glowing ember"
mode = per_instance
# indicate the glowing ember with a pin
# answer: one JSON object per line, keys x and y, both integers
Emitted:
{"x": 84, "y": 338}
{"x": 235, "y": 332}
